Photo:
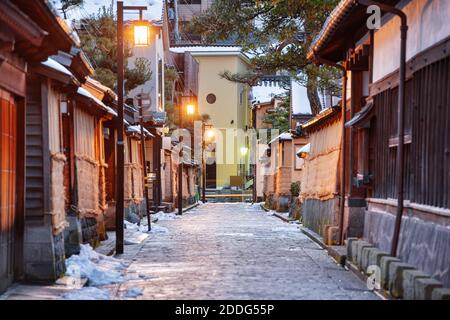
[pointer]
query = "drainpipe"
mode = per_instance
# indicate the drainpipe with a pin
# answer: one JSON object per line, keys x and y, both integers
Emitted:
{"x": 401, "y": 117}
{"x": 343, "y": 143}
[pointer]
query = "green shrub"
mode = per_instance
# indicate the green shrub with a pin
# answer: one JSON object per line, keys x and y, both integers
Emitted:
{"x": 295, "y": 189}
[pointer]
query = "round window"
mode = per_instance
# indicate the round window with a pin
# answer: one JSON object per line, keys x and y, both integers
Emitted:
{"x": 211, "y": 98}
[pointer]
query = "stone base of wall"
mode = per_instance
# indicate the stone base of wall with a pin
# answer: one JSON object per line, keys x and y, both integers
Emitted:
{"x": 43, "y": 253}
{"x": 89, "y": 231}
{"x": 283, "y": 203}
{"x": 354, "y": 222}
{"x": 271, "y": 202}
{"x": 73, "y": 235}
{"x": 317, "y": 214}
{"x": 295, "y": 209}
{"x": 110, "y": 216}
{"x": 423, "y": 244}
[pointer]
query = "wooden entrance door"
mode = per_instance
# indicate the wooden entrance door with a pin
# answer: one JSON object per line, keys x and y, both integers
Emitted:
{"x": 8, "y": 164}
{"x": 211, "y": 176}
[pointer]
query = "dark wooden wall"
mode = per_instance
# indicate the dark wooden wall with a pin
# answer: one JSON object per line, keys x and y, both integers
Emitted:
{"x": 427, "y": 124}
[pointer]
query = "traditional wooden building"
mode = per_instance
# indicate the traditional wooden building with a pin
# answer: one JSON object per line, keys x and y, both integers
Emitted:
{"x": 38, "y": 160}
{"x": 282, "y": 169}
{"x": 21, "y": 41}
{"x": 135, "y": 206}
{"x": 397, "y": 113}
{"x": 320, "y": 181}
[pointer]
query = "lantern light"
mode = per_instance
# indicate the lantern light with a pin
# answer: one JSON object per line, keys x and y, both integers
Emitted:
{"x": 244, "y": 151}
{"x": 190, "y": 109}
{"x": 210, "y": 134}
{"x": 141, "y": 35}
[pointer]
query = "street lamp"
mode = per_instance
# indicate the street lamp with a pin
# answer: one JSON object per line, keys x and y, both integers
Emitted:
{"x": 120, "y": 111}
{"x": 141, "y": 34}
{"x": 190, "y": 110}
{"x": 244, "y": 151}
{"x": 208, "y": 134}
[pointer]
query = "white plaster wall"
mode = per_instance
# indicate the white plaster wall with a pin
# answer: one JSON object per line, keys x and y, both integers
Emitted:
{"x": 429, "y": 23}
{"x": 153, "y": 53}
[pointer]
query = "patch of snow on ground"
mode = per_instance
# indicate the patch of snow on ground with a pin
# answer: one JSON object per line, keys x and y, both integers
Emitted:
{"x": 135, "y": 234}
{"x": 97, "y": 268}
{"x": 133, "y": 293}
{"x": 162, "y": 216}
{"x": 87, "y": 293}
{"x": 159, "y": 229}
{"x": 236, "y": 234}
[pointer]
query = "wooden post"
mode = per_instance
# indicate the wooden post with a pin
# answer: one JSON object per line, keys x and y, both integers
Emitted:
{"x": 120, "y": 128}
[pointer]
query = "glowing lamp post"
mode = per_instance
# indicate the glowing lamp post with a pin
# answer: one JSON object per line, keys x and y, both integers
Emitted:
{"x": 206, "y": 134}
{"x": 190, "y": 110}
{"x": 141, "y": 38}
{"x": 141, "y": 34}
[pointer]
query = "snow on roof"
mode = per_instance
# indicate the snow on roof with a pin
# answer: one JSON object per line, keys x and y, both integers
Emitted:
{"x": 137, "y": 129}
{"x": 50, "y": 63}
{"x": 87, "y": 94}
{"x": 305, "y": 149}
{"x": 282, "y": 137}
{"x": 265, "y": 94}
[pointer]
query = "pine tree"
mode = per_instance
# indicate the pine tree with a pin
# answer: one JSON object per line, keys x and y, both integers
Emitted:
{"x": 99, "y": 41}
{"x": 276, "y": 34}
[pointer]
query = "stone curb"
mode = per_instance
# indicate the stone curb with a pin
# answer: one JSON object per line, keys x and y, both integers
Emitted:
{"x": 398, "y": 279}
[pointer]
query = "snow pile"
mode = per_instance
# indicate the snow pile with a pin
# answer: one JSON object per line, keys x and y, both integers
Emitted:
{"x": 97, "y": 268}
{"x": 135, "y": 234}
{"x": 133, "y": 293}
{"x": 87, "y": 293}
{"x": 158, "y": 229}
{"x": 162, "y": 216}
{"x": 134, "y": 227}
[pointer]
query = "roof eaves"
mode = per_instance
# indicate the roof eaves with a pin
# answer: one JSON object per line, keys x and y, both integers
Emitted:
{"x": 323, "y": 117}
{"x": 336, "y": 17}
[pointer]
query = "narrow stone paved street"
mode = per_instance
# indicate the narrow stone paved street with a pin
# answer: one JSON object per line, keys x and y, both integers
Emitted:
{"x": 235, "y": 251}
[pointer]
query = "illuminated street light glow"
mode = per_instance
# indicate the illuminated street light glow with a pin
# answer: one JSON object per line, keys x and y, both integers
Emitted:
{"x": 210, "y": 134}
{"x": 244, "y": 151}
{"x": 141, "y": 35}
{"x": 190, "y": 109}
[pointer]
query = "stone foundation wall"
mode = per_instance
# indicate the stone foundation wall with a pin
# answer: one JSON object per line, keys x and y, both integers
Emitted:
{"x": 423, "y": 244}
{"x": 43, "y": 253}
{"x": 318, "y": 214}
{"x": 354, "y": 222}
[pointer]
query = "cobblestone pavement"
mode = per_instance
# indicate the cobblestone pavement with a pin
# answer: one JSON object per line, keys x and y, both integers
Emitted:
{"x": 235, "y": 251}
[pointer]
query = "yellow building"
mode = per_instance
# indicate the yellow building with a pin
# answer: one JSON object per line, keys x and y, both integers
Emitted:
{"x": 227, "y": 104}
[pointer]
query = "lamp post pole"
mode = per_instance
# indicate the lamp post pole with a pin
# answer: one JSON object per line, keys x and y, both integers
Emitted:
{"x": 180, "y": 165}
{"x": 120, "y": 143}
{"x": 120, "y": 167}
{"x": 203, "y": 164}
{"x": 204, "y": 126}
{"x": 147, "y": 204}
